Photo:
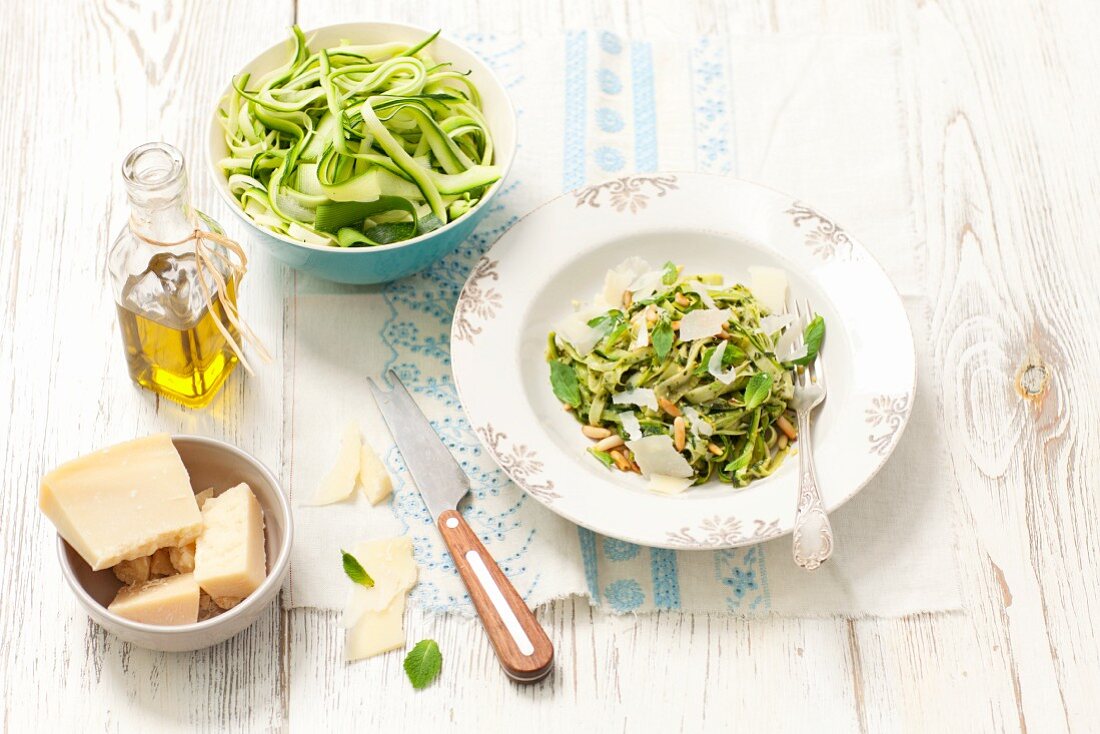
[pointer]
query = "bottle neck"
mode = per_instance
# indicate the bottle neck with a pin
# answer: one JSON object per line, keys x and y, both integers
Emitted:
{"x": 156, "y": 185}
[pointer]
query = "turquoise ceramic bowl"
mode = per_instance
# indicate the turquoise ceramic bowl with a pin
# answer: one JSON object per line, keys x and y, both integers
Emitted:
{"x": 384, "y": 263}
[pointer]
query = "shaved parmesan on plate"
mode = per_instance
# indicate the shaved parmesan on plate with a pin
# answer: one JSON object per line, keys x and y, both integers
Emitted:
{"x": 776, "y": 322}
{"x": 702, "y": 291}
{"x": 631, "y": 425}
{"x": 785, "y": 346}
{"x": 641, "y": 335}
{"x": 620, "y": 279}
{"x": 769, "y": 285}
{"x": 641, "y": 396}
{"x": 702, "y": 323}
{"x": 696, "y": 422}
{"x": 714, "y": 366}
{"x": 669, "y": 485}
{"x": 339, "y": 483}
{"x": 646, "y": 284}
{"x": 657, "y": 455}
{"x": 575, "y": 330}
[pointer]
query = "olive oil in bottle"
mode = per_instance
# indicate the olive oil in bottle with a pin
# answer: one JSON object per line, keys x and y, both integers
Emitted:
{"x": 173, "y": 345}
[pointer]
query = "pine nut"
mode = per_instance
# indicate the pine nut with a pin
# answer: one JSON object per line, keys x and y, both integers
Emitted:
{"x": 568, "y": 408}
{"x": 651, "y": 315}
{"x": 635, "y": 468}
{"x": 668, "y": 407}
{"x": 682, "y": 300}
{"x": 595, "y": 432}
{"x": 611, "y": 442}
{"x": 620, "y": 460}
{"x": 628, "y": 298}
{"x": 782, "y": 442}
{"x": 785, "y": 425}
{"x": 679, "y": 433}
{"x": 714, "y": 449}
{"x": 675, "y": 325}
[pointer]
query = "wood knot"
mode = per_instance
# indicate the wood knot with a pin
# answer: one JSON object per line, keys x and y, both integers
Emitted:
{"x": 1033, "y": 378}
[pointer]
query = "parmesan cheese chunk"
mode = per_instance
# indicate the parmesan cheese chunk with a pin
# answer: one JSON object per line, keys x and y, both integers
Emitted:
{"x": 620, "y": 279}
{"x": 123, "y": 502}
{"x": 631, "y": 425}
{"x": 168, "y": 601}
{"x": 641, "y": 331}
{"x": 714, "y": 366}
{"x": 373, "y": 477}
{"x": 374, "y": 617}
{"x": 339, "y": 483}
{"x": 769, "y": 285}
{"x": 703, "y": 322}
{"x": 230, "y": 558}
{"x": 656, "y": 455}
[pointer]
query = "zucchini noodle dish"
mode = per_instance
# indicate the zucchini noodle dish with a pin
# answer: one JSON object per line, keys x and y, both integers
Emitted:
{"x": 357, "y": 145}
{"x": 682, "y": 378}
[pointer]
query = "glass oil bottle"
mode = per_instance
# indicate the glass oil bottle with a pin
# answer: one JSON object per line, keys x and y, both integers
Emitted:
{"x": 172, "y": 344}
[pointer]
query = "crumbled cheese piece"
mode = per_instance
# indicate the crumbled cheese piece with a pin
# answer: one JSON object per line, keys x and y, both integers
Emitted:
{"x": 160, "y": 564}
{"x": 134, "y": 571}
{"x": 373, "y": 477}
{"x": 786, "y": 347}
{"x": 183, "y": 559}
{"x": 643, "y": 397}
{"x": 339, "y": 483}
{"x": 702, "y": 291}
{"x": 203, "y": 496}
{"x": 703, "y": 322}
{"x": 769, "y": 285}
{"x": 575, "y": 330}
{"x": 657, "y": 455}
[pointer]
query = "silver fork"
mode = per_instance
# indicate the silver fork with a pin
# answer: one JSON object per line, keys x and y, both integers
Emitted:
{"x": 813, "y": 535}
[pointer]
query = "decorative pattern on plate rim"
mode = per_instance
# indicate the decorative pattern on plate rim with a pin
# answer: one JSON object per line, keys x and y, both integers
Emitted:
{"x": 887, "y": 412}
{"x": 520, "y": 463}
{"x": 477, "y": 301}
{"x": 827, "y": 240}
{"x": 628, "y": 192}
{"x": 719, "y": 532}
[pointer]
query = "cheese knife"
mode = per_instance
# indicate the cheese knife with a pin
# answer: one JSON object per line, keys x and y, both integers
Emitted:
{"x": 521, "y": 644}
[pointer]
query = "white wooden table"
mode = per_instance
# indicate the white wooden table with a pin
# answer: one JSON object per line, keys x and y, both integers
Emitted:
{"x": 1004, "y": 102}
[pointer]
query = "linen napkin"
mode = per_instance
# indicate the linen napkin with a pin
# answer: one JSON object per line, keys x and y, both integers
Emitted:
{"x": 816, "y": 116}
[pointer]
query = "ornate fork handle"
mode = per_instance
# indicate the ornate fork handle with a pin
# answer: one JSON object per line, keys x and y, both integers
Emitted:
{"x": 813, "y": 535}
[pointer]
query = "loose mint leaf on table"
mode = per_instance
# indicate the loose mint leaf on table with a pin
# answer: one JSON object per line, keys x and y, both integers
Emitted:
{"x": 662, "y": 339}
{"x": 355, "y": 570}
{"x": 814, "y": 335}
{"x": 423, "y": 663}
{"x": 758, "y": 389}
{"x": 563, "y": 379}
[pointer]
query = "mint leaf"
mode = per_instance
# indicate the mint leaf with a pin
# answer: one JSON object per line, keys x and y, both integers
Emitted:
{"x": 758, "y": 389}
{"x": 662, "y": 339}
{"x": 355, "y": 571}
{"x": 671, "y": 272}
{"x": 423, "y": 663}
{"x": 563, "y": 379}
{"x": 603, "y": 456}
{"x": 814, "y": 335}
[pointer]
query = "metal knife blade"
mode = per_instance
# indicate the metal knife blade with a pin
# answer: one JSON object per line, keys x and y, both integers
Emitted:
{"x": 440, "y": 479}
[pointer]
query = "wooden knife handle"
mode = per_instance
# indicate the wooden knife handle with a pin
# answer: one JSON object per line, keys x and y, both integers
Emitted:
{"x": 525, "y": 652}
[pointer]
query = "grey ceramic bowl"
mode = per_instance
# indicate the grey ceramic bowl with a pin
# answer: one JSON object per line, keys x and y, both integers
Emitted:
{"x": 211, "y": 463}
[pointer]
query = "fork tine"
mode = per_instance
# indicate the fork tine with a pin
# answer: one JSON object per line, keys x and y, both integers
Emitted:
{"x": 800, "y": 324}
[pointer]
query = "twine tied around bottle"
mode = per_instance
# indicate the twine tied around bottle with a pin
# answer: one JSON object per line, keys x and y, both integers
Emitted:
{"x": 206, "y": 260}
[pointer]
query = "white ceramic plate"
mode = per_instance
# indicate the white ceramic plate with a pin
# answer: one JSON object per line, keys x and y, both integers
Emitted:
{"x": 560, "y": 253}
